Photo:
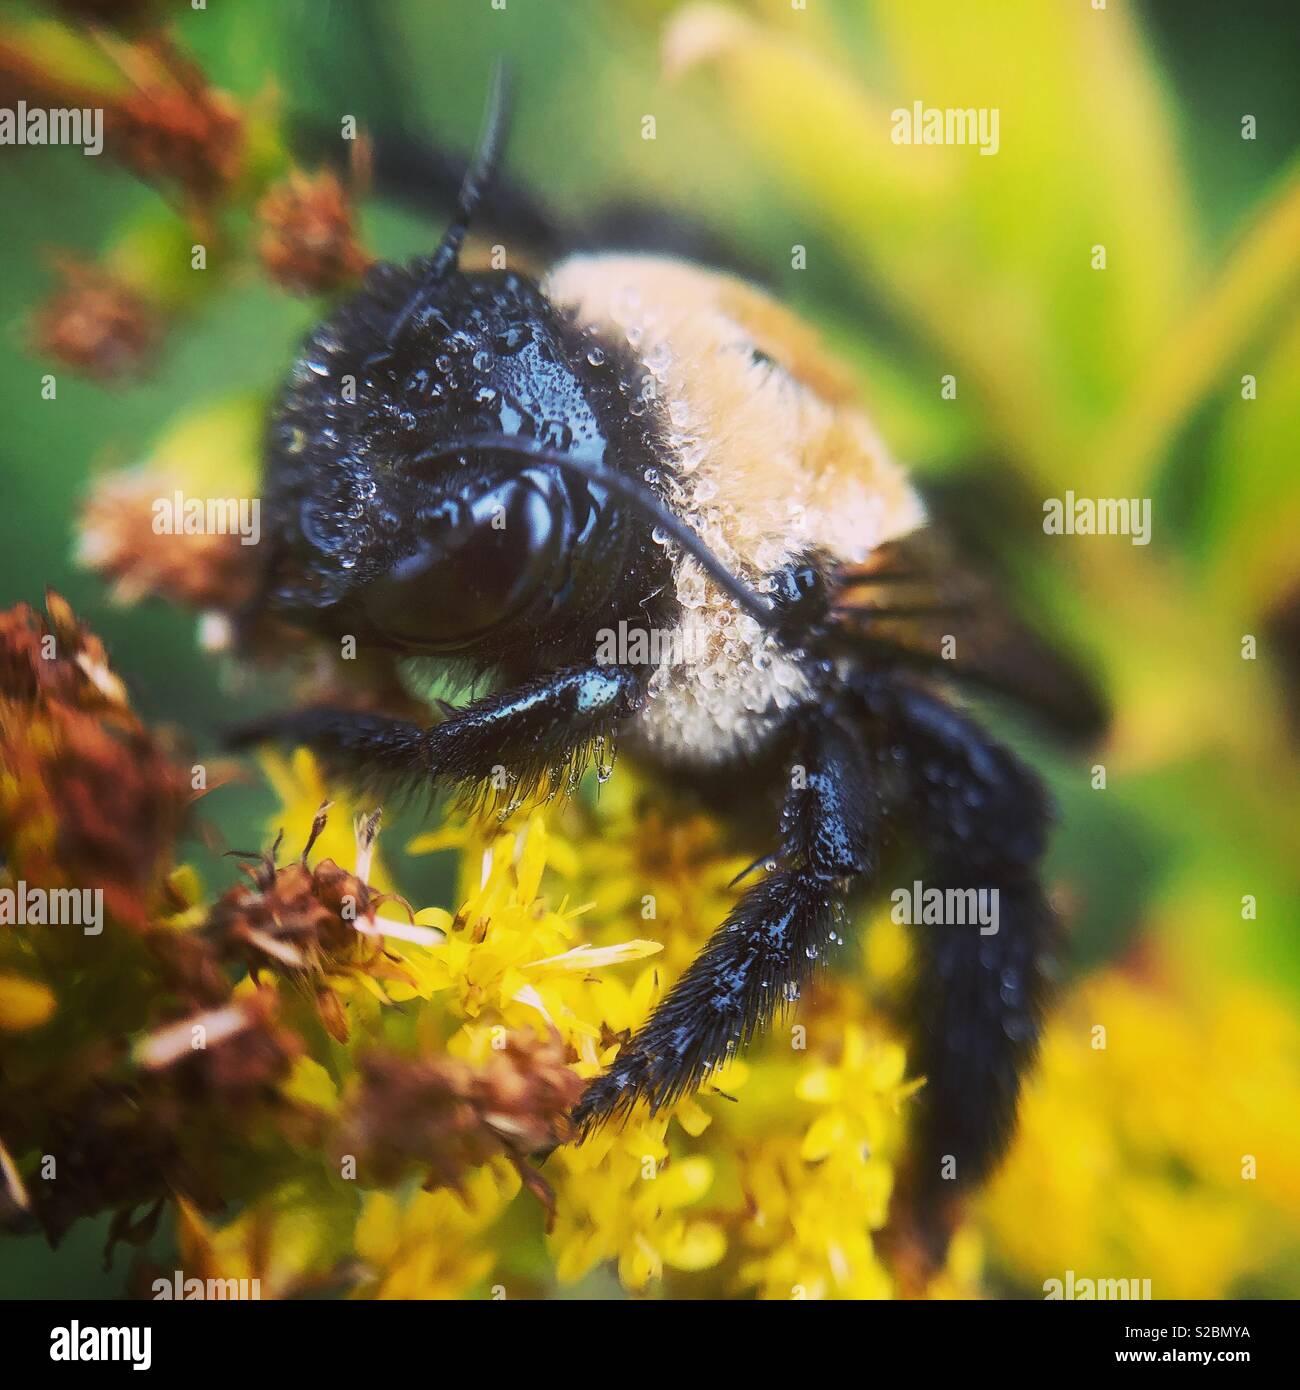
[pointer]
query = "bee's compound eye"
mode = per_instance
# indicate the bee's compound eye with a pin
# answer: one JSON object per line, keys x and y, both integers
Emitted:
{"x": 480, "y": 564}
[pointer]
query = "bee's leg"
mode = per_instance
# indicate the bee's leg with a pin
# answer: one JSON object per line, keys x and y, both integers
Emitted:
{"x": 522, "y": 736}
{"x": 981, "y": 819}
{"x": 769, "y": 946}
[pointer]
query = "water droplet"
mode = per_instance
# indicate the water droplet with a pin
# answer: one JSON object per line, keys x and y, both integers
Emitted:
{"x": 510, "y": 340}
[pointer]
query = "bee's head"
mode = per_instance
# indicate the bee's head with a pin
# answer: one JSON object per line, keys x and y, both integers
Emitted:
{"x": 413, "y": 489}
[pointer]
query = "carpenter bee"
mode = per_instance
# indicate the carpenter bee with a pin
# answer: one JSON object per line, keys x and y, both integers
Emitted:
{"x": 502, "y": 472}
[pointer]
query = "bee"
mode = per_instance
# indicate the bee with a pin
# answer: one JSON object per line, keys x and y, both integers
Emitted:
{"x": 636, "y": 500}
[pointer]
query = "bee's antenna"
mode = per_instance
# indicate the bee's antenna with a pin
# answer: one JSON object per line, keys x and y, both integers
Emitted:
{"x": 478, "y": 177}
{"x": 761, "y": 609}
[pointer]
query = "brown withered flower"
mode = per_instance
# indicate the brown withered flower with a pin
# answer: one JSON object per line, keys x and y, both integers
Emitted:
{"x": 172, "y": 127}
{"x": 307, "y": 240}
{"x": 165, "y": 123}
{"x": 305, "y": 924}
{"x": 95, "y": 324}
{"x": 88, "y": 796}
{"x": 445, "y": 1116}
{"x": 240, "y": 1056}
{"x": 207, "y": 570}
{"x": 112, "y": 1152}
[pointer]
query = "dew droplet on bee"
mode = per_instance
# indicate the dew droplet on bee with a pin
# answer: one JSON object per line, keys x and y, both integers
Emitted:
{"x": 509, "y": 340}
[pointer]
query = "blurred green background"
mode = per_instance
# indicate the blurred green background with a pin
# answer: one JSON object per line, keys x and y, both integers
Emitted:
{"x": 1120, "y": 127}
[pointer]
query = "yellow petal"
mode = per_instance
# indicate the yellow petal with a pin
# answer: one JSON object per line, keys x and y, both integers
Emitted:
{"x": 23, "y": 1003}
{"x": 683, "y": 1182}
{"x": 311, "y": 1085}
{"x": 448, "y": 837}
{"x": 700, "y": 1245}
{"x": 692, "y": 1117}
{"x": 593, "y": 957}
{"x": 820, "y": 1085}
{"x": 378, "y": 1231}
{"x": 824, "y": 1136}
{"x": 532, "y": 861}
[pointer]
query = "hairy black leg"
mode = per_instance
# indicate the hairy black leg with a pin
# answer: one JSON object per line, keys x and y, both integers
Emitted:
{"x": 770, "y": 944}
{"x": 980, "y": 817}
{"x": 508, "y": 742}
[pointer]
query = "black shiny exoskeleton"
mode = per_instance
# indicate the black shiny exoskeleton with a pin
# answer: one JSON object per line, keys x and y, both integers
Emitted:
{"x": 449, "y": 434}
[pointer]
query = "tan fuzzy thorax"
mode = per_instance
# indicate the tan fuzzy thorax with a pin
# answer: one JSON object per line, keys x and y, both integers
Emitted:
{"x": 769, "y": 456}
{"x": 781, "y": 450}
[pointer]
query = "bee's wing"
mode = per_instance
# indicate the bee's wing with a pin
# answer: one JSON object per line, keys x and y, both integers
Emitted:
{"x": 913, "y": 602}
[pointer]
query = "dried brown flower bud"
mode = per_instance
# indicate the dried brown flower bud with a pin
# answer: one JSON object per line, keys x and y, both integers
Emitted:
{"x": 91, "y": 798}
{"x": 301, "y": 922}
{"x": 307, "y": 242}
{"x": 243, "y": 1056}
{"x": 173, "y": 127}
{"x": 95, "y": 324}
{"x": 446, "y": 1116}
{"x": 208, "y": 569}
